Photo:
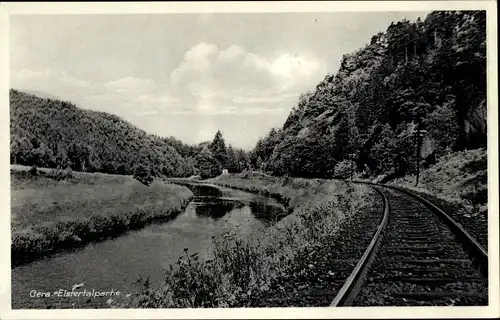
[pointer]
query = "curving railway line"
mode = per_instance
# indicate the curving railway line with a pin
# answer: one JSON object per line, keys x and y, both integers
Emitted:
{"x": 404, "y": 251}
{"x": 418, "y": 256}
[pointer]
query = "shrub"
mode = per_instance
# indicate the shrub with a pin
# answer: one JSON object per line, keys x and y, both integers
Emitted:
{"x": 33, "y": 171}
{"x": 342, "y": 169}
{"x": 143, "y": 175}
{"x": 122, "y": 169}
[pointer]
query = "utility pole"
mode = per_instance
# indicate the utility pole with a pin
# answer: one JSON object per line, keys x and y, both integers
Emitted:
{"x": 352, "y": 160}
{"x": 418, "y": 135}
{"x": 352, "y": 157}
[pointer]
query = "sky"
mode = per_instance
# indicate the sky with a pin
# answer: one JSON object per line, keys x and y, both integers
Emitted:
{"x": 188, "y": 75}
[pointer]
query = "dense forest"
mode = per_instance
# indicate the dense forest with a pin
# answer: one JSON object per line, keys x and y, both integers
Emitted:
{"x": 56, "y": 134}
{"x": 428, "y": 74}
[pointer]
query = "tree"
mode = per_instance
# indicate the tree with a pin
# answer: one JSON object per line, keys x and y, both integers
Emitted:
{"x": 207, "y": 164}
{"x": 341, "y": 140}
{"x": 41, "y": 156}
{"x": 191, "y": 166}
{"x": 342, "y": 169}
{"x": 242, "y": 160}
{"x": 122, "y": 169}
{"x": 232, "y": 160}
{"x": 259, "y": 163}
{"x": 265, "y": 146}
{"x": 20, "y": 148}
{"x": 218, "y": 149}
{"x": 309, "y": 157}
{"x": 78, "y": 154}
{"x": 442, "y": 124}
{"x": 143, "y": 174}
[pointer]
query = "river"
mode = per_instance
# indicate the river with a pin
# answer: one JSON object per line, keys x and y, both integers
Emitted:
{"x": 116, "y": 264}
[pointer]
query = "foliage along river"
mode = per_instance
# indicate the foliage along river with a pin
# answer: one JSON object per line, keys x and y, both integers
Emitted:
{"x": 116, "y": 264}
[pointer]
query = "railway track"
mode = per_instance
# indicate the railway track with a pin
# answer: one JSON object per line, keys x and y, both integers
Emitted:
{"x": 418, "y": 256}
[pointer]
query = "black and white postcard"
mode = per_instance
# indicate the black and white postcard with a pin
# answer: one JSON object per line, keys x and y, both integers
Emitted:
{"x": 249, "y": 160}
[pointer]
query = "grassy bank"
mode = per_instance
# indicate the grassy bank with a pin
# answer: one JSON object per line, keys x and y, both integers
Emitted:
{"x": 52, "y": 212}
{"x": 458, "y": 184}
{"x": 290, "y": 192}
{"x": 242, "y": 268}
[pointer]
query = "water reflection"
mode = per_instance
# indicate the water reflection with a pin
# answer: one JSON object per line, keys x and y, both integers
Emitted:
{"x": 204, "y": 190}
{"x": 215, "y": 208}
{"x": 267, "y": 212}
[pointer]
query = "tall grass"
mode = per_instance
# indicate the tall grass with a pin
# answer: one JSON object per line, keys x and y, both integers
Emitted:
{"x": 49, "y": 215}
{"x": 241, "y": 268}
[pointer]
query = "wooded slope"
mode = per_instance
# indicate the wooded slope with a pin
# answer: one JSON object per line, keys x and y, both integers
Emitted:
{"x": 430, "y": 72}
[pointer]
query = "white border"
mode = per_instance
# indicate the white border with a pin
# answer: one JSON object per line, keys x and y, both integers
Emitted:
{"x": 493, "y": 310}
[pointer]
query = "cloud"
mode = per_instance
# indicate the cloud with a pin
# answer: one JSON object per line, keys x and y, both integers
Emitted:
{"x": 147, "y": 113}
{"x": 296, "y": 72}
{"x": 131, "y": 84}
{"x": 265, "y": 99}
{"x": 49, "y": 81}
{"x": 135, "y": 99}
{"x": 195, "y": 66}
{"x": 141, "y": 90}
{"x": 207, "y": 72}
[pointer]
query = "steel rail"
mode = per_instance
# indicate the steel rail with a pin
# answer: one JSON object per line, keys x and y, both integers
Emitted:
{"x": 353, "y": 283}
{"x": 476, "y": 250}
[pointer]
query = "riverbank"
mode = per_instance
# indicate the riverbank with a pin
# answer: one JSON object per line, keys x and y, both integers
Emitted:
{"x": 290, "y": 192}
{"x": 52, "y": 212}
{"x": 244, "y": 268}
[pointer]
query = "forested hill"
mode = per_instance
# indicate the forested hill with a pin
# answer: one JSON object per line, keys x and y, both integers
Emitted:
{"x": 430, "y": 72}
{"x": 53, "y": 133}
